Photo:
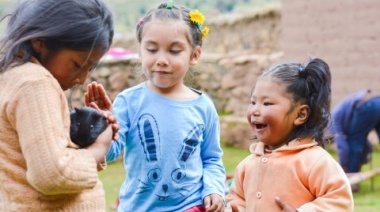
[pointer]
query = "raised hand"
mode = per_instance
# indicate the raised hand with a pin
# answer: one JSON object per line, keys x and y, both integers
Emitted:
{"x": 97, "y": 98}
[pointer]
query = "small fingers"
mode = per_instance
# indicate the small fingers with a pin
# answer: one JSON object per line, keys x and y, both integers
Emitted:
{"x": 95, "y": 96}
{"x": 285, "y": 207}
{"x": 95, "y": 106}
{"x": 115, "y": 127}
{"x": 234, "y": 208}
{"x": 214, "y": 203}
{"x": 86, "y": 99}
{"x": 115, "y": 137}
{"x": 93, "y": 92}
{"x": 89, "y": 95}
{"x": 207, "y": 202}
{"x": 105, "y": 100}
{"x": 279, "y": 202}
{"x": 90, "y": 92}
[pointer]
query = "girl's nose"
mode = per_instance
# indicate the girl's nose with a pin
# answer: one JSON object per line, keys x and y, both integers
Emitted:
{"x": 254, "y": 110}
{"x": 78, "y": 81}
{"x": 162, "y": 60}
{"x": 81, "y": 78}
{"x": 256, "y": 113}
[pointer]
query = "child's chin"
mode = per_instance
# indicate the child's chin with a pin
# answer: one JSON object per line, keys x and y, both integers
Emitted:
{"x": 259, "y": 135}
{"x": 260, "y": 138}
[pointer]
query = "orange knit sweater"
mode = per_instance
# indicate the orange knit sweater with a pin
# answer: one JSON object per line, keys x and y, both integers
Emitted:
{"x": 38, "y": 171}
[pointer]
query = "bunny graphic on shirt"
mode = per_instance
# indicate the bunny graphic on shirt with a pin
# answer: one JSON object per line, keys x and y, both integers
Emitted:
{"x": 165, "y": 181}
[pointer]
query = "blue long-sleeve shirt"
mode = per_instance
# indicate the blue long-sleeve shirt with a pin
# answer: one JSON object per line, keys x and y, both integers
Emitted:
{"x": 172, "y": 153}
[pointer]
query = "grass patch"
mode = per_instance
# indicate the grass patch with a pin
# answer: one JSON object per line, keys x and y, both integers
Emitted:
{"x": 366, "y": 200}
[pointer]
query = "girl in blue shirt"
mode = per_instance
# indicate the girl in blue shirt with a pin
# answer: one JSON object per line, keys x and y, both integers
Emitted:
{"x": 170, "y": 133}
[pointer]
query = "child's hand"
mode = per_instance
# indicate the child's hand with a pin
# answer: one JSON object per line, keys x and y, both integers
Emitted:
{"x": 214, "y": 202}
{"x": 234, "y": 208}
{"x": 97, "y": 94}
{"x": 100, "y": 146}
{"x": 283, "y": 205}
{"x": 97, "y": 98}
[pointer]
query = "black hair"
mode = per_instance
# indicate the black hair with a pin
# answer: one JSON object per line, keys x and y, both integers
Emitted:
{"x": 308, "y": 84}
{"x": 174, "y": 13}
{"x": 80, "y": 25}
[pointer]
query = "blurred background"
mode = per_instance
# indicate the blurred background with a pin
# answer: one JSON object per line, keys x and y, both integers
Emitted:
{"x": 246, "y": 37}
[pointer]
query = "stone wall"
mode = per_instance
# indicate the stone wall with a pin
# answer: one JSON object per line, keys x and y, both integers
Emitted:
{"x": 237, "y": 50}
{"x": 240, "y": 47}
{"x": 228, "y": 80}
{"x": 256, "y": 32}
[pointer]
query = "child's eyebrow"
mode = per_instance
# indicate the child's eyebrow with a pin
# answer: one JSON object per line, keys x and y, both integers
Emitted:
{"x": 178, "y": 43}
{"x": 150, "y": 42}
{"x": 175, "y": 43}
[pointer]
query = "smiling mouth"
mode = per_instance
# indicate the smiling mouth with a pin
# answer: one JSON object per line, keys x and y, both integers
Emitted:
{"x": 260, "y": 126}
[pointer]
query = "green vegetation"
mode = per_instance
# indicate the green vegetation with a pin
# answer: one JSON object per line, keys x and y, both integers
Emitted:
{"x": 127, "y": 12}
{"x": 366, "y": 200}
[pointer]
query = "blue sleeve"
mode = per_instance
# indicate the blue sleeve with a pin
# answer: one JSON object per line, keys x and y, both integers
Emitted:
{"x": 342, "y": 113}
{"x": 114, "y": 151}
{"x": 121, "y": 113}
{"x": 214, "y": 174}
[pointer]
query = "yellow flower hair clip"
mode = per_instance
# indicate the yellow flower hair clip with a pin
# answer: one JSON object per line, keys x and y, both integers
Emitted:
{"x": 205, "y": 32}
{"x": 198, "y": 19}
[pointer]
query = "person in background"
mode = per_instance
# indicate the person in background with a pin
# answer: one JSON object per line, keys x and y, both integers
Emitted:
{"x": 289, "y": 170}
{"x": 353, "y": 119}
{"x": 170, "y": 133}
{"x": 50, "y": 46}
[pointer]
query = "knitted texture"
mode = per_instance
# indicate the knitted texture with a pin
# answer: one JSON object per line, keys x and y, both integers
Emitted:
{"x": 38, "y": 170}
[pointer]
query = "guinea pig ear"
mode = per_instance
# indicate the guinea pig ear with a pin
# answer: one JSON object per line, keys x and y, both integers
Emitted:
{"x": 76, "y": 110}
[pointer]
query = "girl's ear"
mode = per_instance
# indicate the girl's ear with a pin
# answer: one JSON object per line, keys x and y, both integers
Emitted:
{"x": 303, "y": 115}
{"x": 195, "y": 55}
{"x": 38, "y": 45}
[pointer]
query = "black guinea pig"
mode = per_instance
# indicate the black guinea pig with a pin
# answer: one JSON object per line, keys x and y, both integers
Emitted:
{"x": 86, "y": 125}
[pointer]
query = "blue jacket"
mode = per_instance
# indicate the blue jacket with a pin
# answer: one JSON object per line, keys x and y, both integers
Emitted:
{"x": 342, "y": 112}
